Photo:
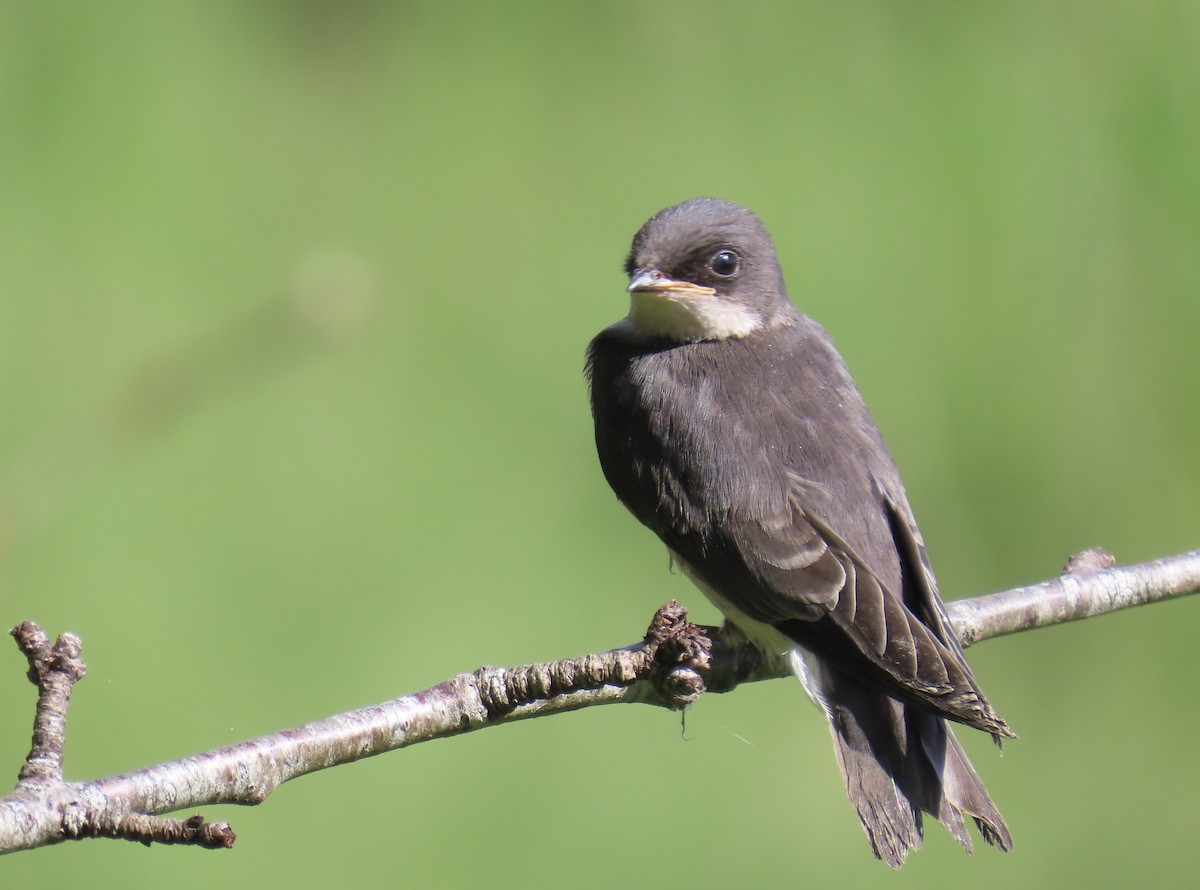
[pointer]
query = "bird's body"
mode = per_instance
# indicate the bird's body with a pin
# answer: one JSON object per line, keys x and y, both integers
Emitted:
{"x": 728, "y": 424}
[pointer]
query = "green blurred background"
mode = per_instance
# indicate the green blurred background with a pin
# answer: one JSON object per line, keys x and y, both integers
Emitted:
{"x": 294, "y": 303}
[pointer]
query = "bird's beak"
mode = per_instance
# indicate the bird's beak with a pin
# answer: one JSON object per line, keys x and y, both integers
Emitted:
{"x": 651, "y": 281}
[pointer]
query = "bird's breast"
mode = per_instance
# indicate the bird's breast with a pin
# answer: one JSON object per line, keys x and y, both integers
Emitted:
{"x": 691, "y": 434}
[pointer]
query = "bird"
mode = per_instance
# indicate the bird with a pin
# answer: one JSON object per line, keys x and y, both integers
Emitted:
{"x": 728, "y": 424}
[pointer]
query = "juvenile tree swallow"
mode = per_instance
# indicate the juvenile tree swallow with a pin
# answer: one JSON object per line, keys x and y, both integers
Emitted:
{"x": 728, "y": 424}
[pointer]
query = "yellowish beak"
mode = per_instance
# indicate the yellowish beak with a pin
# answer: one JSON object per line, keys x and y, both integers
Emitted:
{"x": 653, "y": 282}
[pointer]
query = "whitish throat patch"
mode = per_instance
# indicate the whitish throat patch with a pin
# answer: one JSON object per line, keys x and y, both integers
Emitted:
{"x": 687, "y": 316}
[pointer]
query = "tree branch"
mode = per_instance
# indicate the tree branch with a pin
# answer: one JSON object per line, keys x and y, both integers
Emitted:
{"x": 671, "y": 667}
{"x": 1089, "y": 586}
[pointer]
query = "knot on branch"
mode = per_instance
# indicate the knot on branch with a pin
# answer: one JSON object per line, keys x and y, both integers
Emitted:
{"x": 45, "y": 660}
{"x": 1094, "y": 559}
{"x": 680, "y": 655}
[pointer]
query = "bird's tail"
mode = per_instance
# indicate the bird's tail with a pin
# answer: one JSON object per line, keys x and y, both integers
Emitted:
{"x": 898, "y": 761}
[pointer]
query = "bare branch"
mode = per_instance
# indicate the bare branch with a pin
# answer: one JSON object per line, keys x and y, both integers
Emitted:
{"x": 673, "y": 665}
{"x": 54, "y": 670}
{"x": 1089, "y": 586}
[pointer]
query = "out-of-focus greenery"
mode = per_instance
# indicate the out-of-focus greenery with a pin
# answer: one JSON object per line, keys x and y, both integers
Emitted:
{"x": 294, "y": 301}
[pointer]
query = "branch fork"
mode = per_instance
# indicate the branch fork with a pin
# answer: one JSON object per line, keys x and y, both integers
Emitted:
{"x": 54, "y": 670}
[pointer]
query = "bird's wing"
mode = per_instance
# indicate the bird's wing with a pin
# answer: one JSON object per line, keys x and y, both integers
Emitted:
{"x": 921, "y": 590}
{"x": 807, "y": 581}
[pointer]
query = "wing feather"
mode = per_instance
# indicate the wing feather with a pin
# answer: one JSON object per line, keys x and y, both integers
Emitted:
{"x": 809, "y": 582}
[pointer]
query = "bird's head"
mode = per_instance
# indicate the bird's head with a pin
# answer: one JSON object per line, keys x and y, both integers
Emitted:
{"x": 704, "y": 270}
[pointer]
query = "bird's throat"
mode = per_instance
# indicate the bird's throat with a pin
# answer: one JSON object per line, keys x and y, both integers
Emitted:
{"x": 687, "y": 318}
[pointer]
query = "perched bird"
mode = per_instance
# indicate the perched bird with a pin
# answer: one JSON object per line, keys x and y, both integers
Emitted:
{"x": 728, "y": 424}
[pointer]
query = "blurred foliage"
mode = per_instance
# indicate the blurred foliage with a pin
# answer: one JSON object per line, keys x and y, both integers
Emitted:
{"x": 294, "y": 302}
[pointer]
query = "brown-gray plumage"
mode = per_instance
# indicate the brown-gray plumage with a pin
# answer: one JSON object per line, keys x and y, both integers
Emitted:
{"x": 728, "y": 424}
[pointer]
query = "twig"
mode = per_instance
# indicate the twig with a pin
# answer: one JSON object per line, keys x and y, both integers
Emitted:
{"x": 675, "y": 663}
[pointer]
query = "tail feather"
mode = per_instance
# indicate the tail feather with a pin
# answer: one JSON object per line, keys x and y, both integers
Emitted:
{"x": 898, "y": 761}
{"x": 962, "y": 789}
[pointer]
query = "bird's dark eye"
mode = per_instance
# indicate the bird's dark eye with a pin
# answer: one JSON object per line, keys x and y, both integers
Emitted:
{"x": 724, "y": 263}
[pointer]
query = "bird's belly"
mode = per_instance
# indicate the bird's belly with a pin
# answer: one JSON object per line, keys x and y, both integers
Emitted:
{"x": 773, "y": 643}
